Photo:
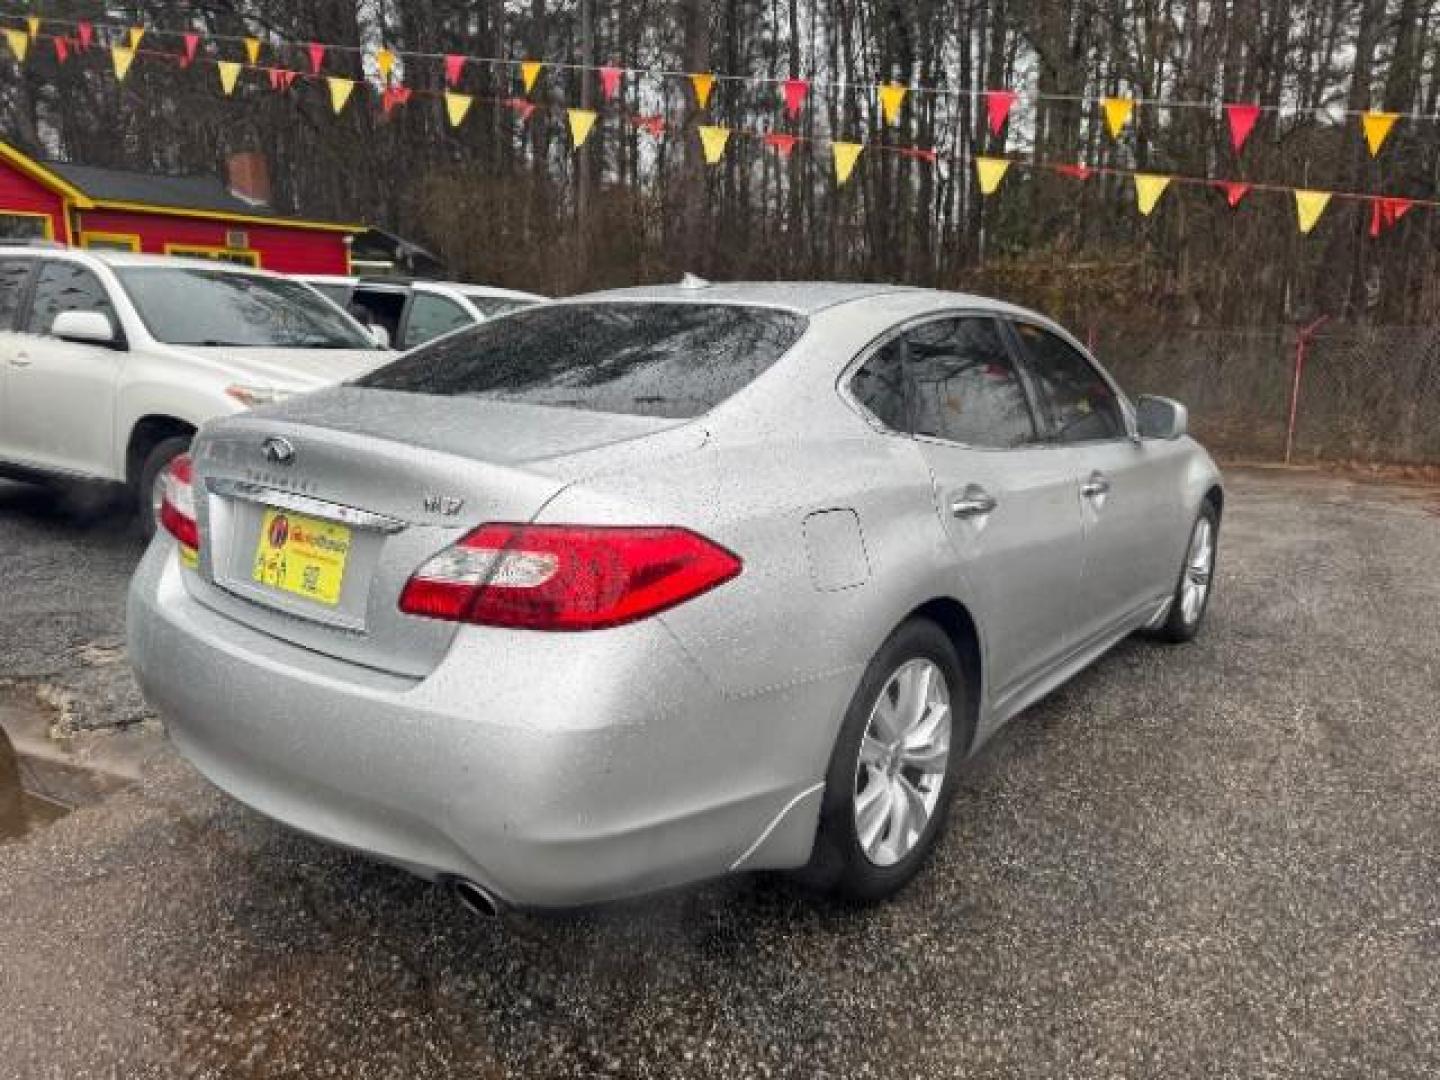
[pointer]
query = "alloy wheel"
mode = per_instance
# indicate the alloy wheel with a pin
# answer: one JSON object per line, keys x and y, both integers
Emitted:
{"x": 902, "y": 762}
{"x": 1199, "y": 565}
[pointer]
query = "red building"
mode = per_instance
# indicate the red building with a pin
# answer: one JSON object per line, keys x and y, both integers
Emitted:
{"x": 90, "y": 206}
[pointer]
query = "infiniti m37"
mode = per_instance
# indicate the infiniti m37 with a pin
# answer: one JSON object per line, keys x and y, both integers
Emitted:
{"x": 650, "y": 586}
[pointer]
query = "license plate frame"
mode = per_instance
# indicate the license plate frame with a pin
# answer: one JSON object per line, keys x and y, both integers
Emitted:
{"x": 301, "y": 556}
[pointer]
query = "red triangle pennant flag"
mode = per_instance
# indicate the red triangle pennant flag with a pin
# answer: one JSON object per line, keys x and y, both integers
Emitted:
{"x": 454, "y": 65}
{"x": 85, "y": 32}
{"x": 317, "y": 57}
{"x": 282, "y": 79}
{"x": 997, "y": 108}
{"x": 1384, "y": 213}
{"x": 1235, "y": 190}
{"x": 392, "y": 96}
{"x": 654, "y": 126}
{"x": 609, "y": 81}
{"x": 192, "y": 43}
{"x": 1242, "y": 121}
{"x": 1075, "y": 172}
{"x": 795, "y": 91}
{"x": 522, "y": 107}
{"x": 62, "y": 50}
{"x": 781, "y": 143}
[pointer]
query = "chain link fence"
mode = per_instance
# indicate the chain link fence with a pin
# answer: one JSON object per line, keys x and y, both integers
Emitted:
{"x": 1329, "y": 392}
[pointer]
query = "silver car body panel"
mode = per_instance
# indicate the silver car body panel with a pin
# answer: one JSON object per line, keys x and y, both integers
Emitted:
{"x": 563, "y": 768}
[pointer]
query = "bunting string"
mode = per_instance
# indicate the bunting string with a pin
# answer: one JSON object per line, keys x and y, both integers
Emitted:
{"x": 888, "y": 95}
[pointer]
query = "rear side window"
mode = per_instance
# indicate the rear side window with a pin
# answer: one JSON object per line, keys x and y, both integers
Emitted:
{"x": 14, "y": 275}
{"x": 879, "y": 385}
{"x": 672, "y": 360}
{"x": 1081, "y": 402}
{"x": 67, "y": 286}
{"x": 965, "y": 385}
{"x": 430, "y": 316}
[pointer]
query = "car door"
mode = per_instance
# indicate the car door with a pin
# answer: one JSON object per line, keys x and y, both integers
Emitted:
{"x": 15, "y": 277}
{"x": 1008, "y": 504}
{"x": 59, "y": 408}
{"x": 1129, "y": 491}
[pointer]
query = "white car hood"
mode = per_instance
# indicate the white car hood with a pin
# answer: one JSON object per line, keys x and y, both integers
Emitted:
{"x": 291, "y": 369}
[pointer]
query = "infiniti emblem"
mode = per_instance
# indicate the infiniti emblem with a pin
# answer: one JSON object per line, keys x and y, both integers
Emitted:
{"x": 278, "y": 450}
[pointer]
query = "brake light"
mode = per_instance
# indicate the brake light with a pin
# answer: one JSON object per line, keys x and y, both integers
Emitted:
{"x": 566, "y": 577}
{"x": 177, "y": 504}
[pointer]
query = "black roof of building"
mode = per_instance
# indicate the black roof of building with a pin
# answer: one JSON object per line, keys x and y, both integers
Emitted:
{"x": 181, "y": 192}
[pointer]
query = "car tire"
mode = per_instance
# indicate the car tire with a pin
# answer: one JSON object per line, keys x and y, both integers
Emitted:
{"x": 1197, "y": 576}
{"x": 156, "y": 462}
{"x": 853, "y": 861}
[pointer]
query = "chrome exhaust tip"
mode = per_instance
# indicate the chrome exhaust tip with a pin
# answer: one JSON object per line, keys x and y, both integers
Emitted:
{"x": 476, "y": 899}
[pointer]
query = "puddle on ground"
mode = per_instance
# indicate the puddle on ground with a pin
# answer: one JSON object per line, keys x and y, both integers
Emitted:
{"x": 42, "y": 780}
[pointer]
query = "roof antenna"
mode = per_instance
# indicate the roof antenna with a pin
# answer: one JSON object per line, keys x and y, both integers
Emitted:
{"x": 693, "y": 281}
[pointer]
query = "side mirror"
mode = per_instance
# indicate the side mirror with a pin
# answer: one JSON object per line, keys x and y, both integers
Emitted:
{"x": 1160, "y": 417}
{"x": 87, "y": 327}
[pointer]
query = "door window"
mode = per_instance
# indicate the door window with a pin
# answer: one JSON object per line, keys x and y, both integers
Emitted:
{"x": 964, "y": 385}
{"x": 1082, "y": 405}
{"x": 431, "y": 316}
{"x": 67, "y": 286}
{"x": 14, "y": 276}
{"x": 879, "y": 386}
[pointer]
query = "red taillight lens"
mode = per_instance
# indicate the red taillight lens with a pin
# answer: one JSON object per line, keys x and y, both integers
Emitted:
{"x": 177, "y": 505}
{"x": 566, "y": 577}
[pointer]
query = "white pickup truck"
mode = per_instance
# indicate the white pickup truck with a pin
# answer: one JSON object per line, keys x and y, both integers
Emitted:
{"x": 110, "y": 361}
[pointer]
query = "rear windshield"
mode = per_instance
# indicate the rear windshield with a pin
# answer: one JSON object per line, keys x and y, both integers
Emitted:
{"x": 670, "y": 360}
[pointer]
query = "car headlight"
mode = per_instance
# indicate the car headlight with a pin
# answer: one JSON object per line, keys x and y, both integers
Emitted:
{"x": 253, "y": 396}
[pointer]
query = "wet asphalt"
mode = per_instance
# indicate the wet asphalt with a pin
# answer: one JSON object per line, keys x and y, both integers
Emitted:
{"x": 1216, "y": 860}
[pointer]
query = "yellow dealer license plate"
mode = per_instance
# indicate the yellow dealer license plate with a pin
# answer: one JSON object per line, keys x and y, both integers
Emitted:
{"x": 302, "y": 555}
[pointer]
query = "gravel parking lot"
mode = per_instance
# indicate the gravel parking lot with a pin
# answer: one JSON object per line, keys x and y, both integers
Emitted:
{"x": 1213, "y": 860}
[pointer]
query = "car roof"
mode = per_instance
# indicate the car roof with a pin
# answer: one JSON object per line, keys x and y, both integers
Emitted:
{"x": 804, "y": 297}
{"x": 129, "y": 258}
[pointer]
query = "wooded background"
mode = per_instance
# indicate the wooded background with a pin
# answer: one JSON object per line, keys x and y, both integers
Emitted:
{"x": 512, "y": 203}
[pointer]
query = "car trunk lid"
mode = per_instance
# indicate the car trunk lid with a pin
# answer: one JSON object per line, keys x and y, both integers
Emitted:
{"x": 315, "y": 513}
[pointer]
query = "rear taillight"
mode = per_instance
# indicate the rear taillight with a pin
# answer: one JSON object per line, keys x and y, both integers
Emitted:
{"x": 566, "y": 577}
{"x": 177, "y": 504}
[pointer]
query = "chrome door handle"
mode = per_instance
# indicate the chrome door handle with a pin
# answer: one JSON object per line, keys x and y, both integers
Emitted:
{"x": 1096, "y": 486}
{"x": 973, "y": 502}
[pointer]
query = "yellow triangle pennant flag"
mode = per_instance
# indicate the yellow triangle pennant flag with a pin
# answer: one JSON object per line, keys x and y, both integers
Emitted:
{"x": 123, "y": 56}
{"x": 229, "y": 71}
{"x": 1309, "y": 205}
{"x": 892, "y": 96}
{"x": 32, "y": 23}
{"x": 136, "y": 33}
{"x": 252, "y": 50}
{"x": 713, "y": 139}
{"x": 339, "y": 92}
{"x": 1377, "y": 128}
{"x": 1148, "y": 189}
{"x": 456, "y": 106}
{"x": 384, "y": 63}
{"x": 1117, "y": 114}
{"x": 529, "y": 72}
{"x": 581, "y": 121}
{"x": 19, "y": 43}
{"x": 990, "y": 172}
{"x": 703, "y": 84}
{"x": 846, "y": 154}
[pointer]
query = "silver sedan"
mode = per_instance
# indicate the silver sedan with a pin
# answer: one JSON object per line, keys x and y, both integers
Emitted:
{"x": 649, "y": 586}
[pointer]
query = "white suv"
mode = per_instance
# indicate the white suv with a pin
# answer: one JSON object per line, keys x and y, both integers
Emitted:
{"x": 109, "y": 362}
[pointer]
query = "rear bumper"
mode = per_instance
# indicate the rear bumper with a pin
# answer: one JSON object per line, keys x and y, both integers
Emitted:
{"x": 553, "y": 769}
